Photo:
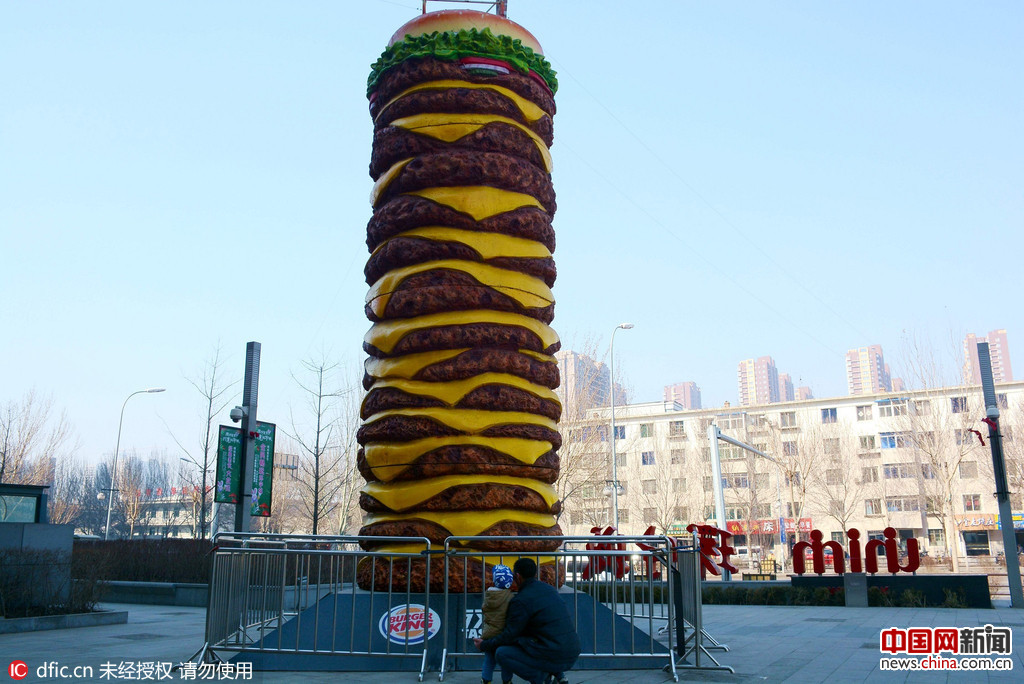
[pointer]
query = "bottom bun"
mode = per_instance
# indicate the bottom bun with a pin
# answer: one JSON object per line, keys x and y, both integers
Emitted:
{"x": 406, "y": 573}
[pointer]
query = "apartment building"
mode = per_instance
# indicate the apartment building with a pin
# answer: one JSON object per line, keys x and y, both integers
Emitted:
{"x": 999, "y": 352}
{"x": 909, "y": 460}
{"x": 685, "y": 393}
{"x": 867, "y": 372}
{"x": 758, "y": 381}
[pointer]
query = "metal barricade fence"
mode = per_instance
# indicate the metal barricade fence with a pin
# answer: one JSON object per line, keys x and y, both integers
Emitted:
{"x": 297, "y": 595}
{"x": 686, "y": 573}
{"x": 622, "y": 606}
{"x": 635, "y": 601}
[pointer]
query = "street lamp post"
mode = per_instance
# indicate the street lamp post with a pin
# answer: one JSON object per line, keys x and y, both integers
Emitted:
{"x": 615, "y": 465}
{"x": 117, "y": 448}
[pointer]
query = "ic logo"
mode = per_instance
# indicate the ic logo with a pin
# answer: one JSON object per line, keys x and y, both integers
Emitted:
{"x": 18, "y": 670}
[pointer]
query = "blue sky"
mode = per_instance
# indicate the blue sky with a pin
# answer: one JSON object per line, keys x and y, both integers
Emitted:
{"x": 737, "y": 179}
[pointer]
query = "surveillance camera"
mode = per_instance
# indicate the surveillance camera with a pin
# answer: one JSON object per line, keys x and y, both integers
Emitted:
{"x": 237, "y": 414}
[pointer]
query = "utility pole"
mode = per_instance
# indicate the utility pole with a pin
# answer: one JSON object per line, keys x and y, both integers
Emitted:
{"x": 250, "y": 392}
{"x": 1002, "y": 487}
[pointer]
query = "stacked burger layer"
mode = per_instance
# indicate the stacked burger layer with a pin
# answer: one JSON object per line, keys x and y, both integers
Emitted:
{"x": 459, "y": 434}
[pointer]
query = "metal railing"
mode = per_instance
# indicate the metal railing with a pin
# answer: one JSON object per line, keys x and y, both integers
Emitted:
{"x": 634, "y": 601}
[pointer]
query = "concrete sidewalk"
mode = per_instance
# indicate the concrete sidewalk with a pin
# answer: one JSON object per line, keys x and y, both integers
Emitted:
{"x": 767, "y": 644}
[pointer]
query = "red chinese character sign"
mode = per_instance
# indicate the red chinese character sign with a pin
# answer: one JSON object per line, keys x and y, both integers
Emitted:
{"x": 713, "y": 543}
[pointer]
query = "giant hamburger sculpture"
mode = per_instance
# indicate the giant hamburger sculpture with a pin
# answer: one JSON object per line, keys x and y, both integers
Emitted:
{"x": 459, "y": 434}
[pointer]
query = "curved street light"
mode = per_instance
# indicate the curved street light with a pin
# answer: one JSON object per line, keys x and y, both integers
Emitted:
{"x": 614, "y": 485}
{"x": 117, "y": 447}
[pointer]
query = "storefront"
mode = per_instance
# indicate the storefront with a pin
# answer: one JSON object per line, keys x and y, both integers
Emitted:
{"x": 977, "y": 533}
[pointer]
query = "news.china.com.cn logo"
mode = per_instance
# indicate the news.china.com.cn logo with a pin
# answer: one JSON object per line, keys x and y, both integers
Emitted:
{"x": 18, "y": 669}
{"x": 962, "y": 647}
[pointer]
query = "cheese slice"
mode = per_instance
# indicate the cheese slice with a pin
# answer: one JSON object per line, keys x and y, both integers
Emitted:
{"x": 470, "y": 421}
{"x": 488, "y": 245}
{"x": 451, "y": 127}
{"x": 545, "y": 358}
{"x": 399, "y": 496}
{"x": 479, "y": 201}
{"x": 530, "y": 292}
{"x": 408, "y": 365}
{"x": 529, "y": 110}
{"x": 386, "y": 179}
{"x": 453, "y": 391}
{"x": 385, "y": 335}
{"x": 467, "y": 523}
{"x": 508, "y": 559}
{"x": 388, "y": 459}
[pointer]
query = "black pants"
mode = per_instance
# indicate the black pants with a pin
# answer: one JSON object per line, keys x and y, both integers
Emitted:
{"x": 515, "y": 661}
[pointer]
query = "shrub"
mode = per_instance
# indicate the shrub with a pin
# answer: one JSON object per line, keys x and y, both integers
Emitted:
{"x": 143, "y": 560}
{"x": 35, "y": 582}
{"x": 911, "y": 599}
{"x": 955, "y": 598}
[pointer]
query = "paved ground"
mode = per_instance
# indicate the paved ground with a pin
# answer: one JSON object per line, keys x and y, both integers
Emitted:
{"x": 767, "y": 644}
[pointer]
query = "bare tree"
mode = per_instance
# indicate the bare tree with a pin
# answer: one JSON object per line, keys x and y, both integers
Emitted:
{"x": 31, "y": 436}
{"x": 326, "y": 440}
{"x": 67, "y": 496}
{"x": 216, "y": 392}
{"x": 841, "y": 482}
{"x": 131, "y": 496}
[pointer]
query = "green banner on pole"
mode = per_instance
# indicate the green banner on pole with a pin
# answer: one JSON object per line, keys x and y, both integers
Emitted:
{"x": 263, "y": 469}
{"x": 229, "y": 465}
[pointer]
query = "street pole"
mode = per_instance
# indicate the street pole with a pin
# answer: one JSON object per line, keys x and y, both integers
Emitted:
{"x": 250, "y": 392}
{"x": 117, "y": 448}
{"x": 1002, "y": 486}
{"x": 615, "y": 464}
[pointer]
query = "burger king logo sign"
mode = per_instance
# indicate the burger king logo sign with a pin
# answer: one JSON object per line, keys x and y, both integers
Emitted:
{"x": 409, "y": 624}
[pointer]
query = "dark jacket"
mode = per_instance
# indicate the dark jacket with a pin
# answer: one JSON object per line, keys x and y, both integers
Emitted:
{"x": 539, "y": 623}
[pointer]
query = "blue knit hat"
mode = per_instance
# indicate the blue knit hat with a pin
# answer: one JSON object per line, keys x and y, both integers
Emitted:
{"x": 502, "y": 576}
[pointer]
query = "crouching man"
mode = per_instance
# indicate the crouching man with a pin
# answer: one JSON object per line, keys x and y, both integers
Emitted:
{"x": 539, "y": 638}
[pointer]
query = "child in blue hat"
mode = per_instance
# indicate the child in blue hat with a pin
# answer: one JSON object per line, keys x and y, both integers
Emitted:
{"x": 496, "y": 600}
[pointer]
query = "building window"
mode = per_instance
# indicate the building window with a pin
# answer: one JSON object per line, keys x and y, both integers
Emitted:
{"x": 650, "y": 486}
{"x": 927, "y": 472}
{"x": 647, "y": 458}
{"x": 898, "y": 471}
{"x": 620, "y": 432}
{"x": 959, "y": 404}
{"x": 646, "y": 429}
{"x": 730, "y": 452}
{"x": 787, "y": 419}
{"x": 762, "y": 511}
{"x": 623, "y": 516}
{"x": 738, "y": 481}
{"x": 681, "y": 513}
{"x": 936, "y": 536}
{"x": 828, "y": 415}
{"x": 707, "y": 483}
{"x": 893, "y": 440}
{"x": 679, "y": 484}
{"x": 761, "y": 480}
{"x": 831, "y": 445}
{"x": 869, "y": 474}
{"x": 650, "y": 515}
{"x": 968, "y": 470}
{"x": 676, "y": 456}
{"x": 838, "y": 537}
{"x": 620, "y": 460}
{"x": 888, "y": 408}
{"x": 864, "y": 412}
{"x": 677, "y": 428}
{"x": 962, "y": 437}
{"x": 833, "y": 476}
{"x": 867, "y": 442}
{"x": 793, "y": 479}
{"x": 789, "y": 448}
{"x": 897, "y": 504}
{"x": 790, "y": 508}
{"x": 1002, "y": 401}
{"x": 922, "y": 407}
{"x": 705, "y": 453}
{"x": 872, "y": 507}
{"x": 972, "y": 502}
